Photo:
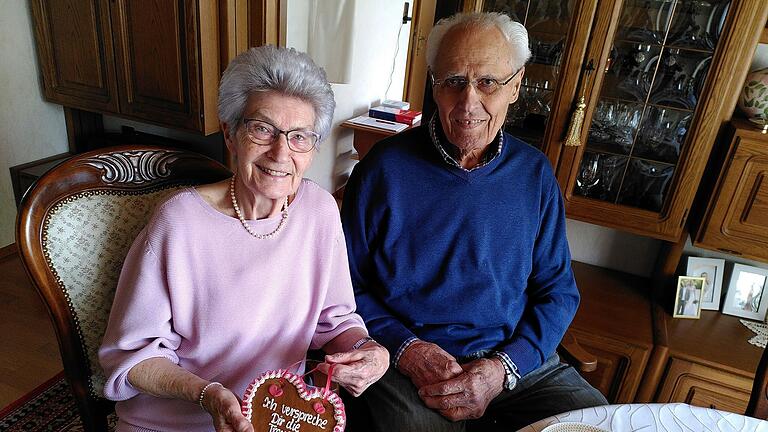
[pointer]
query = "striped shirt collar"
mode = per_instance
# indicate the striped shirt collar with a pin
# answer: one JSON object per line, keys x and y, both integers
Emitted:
{"x": 447, "y": 149}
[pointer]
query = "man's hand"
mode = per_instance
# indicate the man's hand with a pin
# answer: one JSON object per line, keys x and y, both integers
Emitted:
{"x": 357, "y": 369}
{"x": 426, "y": 363}
{"x": 468, "y": 395}
{"x": 224, "y": 407}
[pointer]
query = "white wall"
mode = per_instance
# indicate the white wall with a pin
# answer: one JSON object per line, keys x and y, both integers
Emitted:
{"x": 30, "y": 128}
{"x": 374, "y": 41}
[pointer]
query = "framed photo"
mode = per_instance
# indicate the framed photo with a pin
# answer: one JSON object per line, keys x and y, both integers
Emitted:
{"x": 688, "y": 297}
{"x": 711, "y": 269}
{"x": 746, "y": 293}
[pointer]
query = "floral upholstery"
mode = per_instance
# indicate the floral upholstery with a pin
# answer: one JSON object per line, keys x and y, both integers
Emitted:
{"x": 85, "y": 240}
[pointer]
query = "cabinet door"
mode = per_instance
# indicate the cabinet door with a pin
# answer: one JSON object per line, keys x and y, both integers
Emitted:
{"x": 620, "y": 365}
{"x": 704, "y": 386}
{"x": 737, "y": 217}
{"x": 558, "y": 32}
{"x": 160, "y": 60}
{"x": 74, "y": 48}
{"x": 668, "y": 73}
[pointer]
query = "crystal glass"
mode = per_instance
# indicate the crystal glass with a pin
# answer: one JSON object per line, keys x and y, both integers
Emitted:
{"x": 657, "y": 67}
{"x": 589, "y": 173}
{"x": 698, "y": 24}
{"x": 662, "y": 134}
{"x": 645, "y": 184}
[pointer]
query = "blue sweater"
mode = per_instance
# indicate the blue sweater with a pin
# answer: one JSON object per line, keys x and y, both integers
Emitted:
{"x": 469, "y": 261}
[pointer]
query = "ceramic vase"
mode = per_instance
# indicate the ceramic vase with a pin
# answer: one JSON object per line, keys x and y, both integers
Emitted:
{"x": 754, "y": 96}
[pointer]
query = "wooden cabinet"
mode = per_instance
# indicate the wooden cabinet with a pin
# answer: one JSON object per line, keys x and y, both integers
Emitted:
{"x": 736, "y": 218}
{"x": 155, "y": 61}
{"x": 659, "y": 79}
{"x": 614, "y": 324}
{"x": 708, "y": 362}
{"x": 75, "y": 51}
{"x": 620, "y": 365}
{"x": 704, "y": 386}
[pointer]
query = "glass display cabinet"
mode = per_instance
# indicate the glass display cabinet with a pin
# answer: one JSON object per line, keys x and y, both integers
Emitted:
{"x": 659, "y": 78}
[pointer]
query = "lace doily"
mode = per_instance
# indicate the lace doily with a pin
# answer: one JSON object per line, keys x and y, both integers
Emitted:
{"x": 761, "y": 330}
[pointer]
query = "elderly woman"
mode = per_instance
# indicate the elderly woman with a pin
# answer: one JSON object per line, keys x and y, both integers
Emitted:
{"x": 237, "y": 277}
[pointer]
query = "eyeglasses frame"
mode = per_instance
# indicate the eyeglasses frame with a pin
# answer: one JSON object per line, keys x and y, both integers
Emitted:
{"x": 280, "y": 132}
{"x": 439, "y": 82}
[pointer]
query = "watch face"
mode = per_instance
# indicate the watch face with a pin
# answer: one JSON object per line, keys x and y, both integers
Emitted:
{"x": 511, "y": 381}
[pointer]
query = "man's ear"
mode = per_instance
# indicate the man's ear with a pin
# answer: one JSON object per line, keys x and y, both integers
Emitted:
{"x": 515, "y": 93}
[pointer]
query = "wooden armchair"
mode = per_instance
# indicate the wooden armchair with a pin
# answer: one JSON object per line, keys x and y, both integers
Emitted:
{"x": 75, "y": 227}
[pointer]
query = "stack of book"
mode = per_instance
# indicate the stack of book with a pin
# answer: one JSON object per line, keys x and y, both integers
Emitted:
{"x": 398, "y": 115}
{"x": 391, "y": 115}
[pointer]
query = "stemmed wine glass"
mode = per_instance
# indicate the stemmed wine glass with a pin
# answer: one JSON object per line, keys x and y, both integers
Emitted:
{"x": 588, "y": 173}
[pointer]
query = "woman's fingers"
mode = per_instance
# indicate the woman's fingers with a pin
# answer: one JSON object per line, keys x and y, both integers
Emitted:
{"x": 356, "y": 370}
{"x": 224, "y": 408}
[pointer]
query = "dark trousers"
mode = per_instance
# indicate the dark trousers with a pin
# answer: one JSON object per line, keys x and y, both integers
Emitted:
{"x": 394, "y": 404}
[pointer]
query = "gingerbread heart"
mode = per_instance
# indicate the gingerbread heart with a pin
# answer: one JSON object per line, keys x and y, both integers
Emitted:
{"x": 279, "y": 401}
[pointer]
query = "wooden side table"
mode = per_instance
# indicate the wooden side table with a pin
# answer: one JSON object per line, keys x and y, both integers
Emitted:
{"x": 365, "y": 137}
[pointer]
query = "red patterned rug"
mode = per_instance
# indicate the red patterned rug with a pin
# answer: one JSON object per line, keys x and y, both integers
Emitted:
{"x": 50, "y": 408}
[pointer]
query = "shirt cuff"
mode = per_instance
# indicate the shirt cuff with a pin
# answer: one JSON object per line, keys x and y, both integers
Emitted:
{"x": 408, "y": 342}
{"x": 511, "y": 374}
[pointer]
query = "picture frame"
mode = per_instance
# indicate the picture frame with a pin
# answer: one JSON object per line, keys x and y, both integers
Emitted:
{"x": 746, "y": 295}
{"x": 712, "y": 270}
{"x": 688, "y": 297}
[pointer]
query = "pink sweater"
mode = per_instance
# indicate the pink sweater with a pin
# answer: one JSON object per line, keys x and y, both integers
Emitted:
{"x": 197, "y": 289}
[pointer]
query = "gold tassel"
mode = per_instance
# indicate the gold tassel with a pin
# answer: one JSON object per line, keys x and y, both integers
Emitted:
{"x": 574, "y": 130}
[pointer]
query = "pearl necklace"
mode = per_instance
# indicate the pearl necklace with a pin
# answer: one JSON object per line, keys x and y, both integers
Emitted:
{"x": 277, "y": 230}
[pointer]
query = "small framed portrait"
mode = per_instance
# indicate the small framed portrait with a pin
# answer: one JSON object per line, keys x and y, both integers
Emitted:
{"x": 711, "y": 269}
{"x": 746, "y": 293}
{"x": 688, "y": 297}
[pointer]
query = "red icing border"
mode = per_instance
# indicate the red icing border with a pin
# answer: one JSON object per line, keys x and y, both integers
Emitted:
{"x": 338, "y": 405}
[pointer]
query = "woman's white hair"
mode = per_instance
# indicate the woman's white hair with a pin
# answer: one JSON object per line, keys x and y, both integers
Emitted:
{"x": 513, "y": 31}
{"x": 283, "y": 70}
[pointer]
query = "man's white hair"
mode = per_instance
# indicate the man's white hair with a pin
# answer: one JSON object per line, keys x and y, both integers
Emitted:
{"x": 513, "y": 31}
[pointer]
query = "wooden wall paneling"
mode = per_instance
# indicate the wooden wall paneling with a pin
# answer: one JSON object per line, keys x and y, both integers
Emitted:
{"x": 209, "y": 63}
{"x": 264, "y": 22}
{"x": 82, "y": 127}
{"x": 75, "y": 52}
{"x": 423, "y": 12}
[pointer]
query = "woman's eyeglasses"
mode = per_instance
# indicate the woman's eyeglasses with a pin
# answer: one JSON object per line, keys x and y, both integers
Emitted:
{"x": 457, "y": 84}
{"x": 264, "y": 133}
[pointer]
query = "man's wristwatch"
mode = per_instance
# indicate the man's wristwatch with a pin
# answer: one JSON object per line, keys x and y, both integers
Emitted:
{"x": 510, "y": 375}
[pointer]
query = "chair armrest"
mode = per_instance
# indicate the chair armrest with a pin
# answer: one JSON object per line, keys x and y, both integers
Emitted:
{"x": 575, "y": 355}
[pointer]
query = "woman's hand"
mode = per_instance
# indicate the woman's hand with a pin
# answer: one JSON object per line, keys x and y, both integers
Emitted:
{"x": 357, "y": 369}
{"x": 224, "y": 407}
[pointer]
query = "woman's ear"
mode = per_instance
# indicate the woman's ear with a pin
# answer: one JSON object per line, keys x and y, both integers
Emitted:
{"x": 230, "y": 138}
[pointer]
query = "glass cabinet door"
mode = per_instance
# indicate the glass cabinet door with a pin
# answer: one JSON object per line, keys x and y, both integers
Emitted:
{"x": 656, "y": 69}
{"x": 547, "y": 22}
{"x": 665, "y": 80}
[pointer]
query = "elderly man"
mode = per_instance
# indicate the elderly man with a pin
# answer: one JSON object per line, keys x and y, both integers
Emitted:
{"x": 459, "y": 259}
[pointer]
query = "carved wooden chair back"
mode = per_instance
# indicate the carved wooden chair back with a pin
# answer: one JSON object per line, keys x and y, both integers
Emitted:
{"x": 75, "y": 227}
{"x": 758, "y": 400}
